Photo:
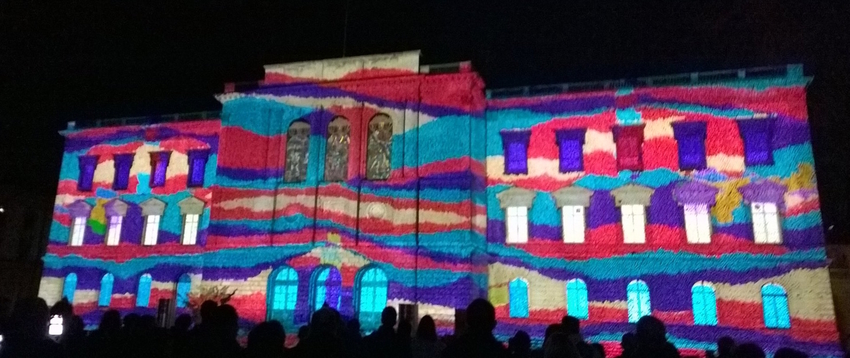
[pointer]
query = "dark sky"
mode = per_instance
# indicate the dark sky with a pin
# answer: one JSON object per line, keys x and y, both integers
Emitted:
{"x": 64, "y": 60}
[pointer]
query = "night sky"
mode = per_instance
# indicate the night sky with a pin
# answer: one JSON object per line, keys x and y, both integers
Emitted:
{"x": 66, "y": 60}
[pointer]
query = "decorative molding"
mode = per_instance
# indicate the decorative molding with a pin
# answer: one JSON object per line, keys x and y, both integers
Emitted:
{"x": 695, "y": 192}
{"x": 152, "y": 206}
{"x": 764, "y": 191}
{"x": 630, "y": 194}
{"x": 115, "y": 207}
{"x": 79, "y": 208}
{"x": 516, "y": 197}
{"x": 572, "y": 195}
{"x": 191, "y": 205}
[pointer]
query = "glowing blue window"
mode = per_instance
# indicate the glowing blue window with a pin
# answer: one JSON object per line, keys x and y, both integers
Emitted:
{"x": 70, "y": 287}
{"x": 105, "y": 296}
{"x": 143, "y": 297}
{"x": 284, "y": 294}
{"x": 577, "y": 299}
{"x": 518, "y": 294}
{"x": 373, "y": 297}
{"x": 704, "y": 304}
{"x": 184, "y": 285}
{"x": 638, "y": 300}
{"x": 327, "y": 288}
{"x": 775, "y": 305}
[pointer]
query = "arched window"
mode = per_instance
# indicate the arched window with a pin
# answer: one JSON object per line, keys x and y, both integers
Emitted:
{"x": 284, "y": 295}
{"x": 297, "y": 152}
{"x": 143, "y": 297}
{"x": 105, "y": 296}
{"x": 577, "y": 298}
{"x": 184, "y": 285}
{"x": 327, "y": 287}
{"x": 70, "y": 287}
{"x": 336, "y": 159}
{"x": 379, "y": 148}
{"x": 373, "y": 297}
{"x": 638, "y": 300}
{"x": 518, "y": 295}
{"x": 705, "y": 304}
{"x": 775, "y": 304}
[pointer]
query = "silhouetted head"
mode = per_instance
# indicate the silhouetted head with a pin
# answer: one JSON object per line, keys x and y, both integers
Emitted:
{"x": 405, "y": 330}
{"x": 62, "y": 308}
{"x": 29, "y": 319}
{"x": 550, "y": 330}
{"x": 132, "y": 321}
{"x": 388, "y": 316}
{"x": 110, "y": 321}
{"x": 520, "y": 342}
{"x": 226, "y": 321}
{"x": 427, "y": 330}
{"x": 786, "y": 352}
{"x": 353, "y": 326}
{"x": 570, "y": 325}
{"x": 323, "y": 323}
{"x": 75, "y": 327}
{"x": 147, "y": 322}
{"x": 650, "y": 330}
{"x": 267, "y": 337}
{"x": 303, "y": 331}
{"x": 207, "y": 309}
{"x": 748, "y": 350}
{"x": 629, "y": 342}
{"x": 559, "y": 346}
{"x": 725, "y": 345}
{"x": 183, "y": 322}
{"x": 599, "y": 348}
{"x": 480, "y": 315}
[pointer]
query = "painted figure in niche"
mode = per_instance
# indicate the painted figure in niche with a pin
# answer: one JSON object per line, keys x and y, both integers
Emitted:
{"x": 297, "y": 147}
{"x": 336, "y": 162}
{"x": 378, "y": 150}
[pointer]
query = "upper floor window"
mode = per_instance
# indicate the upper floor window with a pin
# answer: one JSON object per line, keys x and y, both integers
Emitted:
{"x": 629, "y": 147}
{"x": 379, "y": 148}
{"x": 115, "y": 211}
{"x": 191, "y": 209}
{"x": 297, "y": 152}
{"x": 690, "y": 137}
{"x": 757, "y": 135}
{"x": 197, "y": 167}
{"x": 515, "y": 145}
{"x": 696, "y": 199}
{"x": 79, "y": 212}
{"x": 764, "y": 197}
{"x": 570, "y": 153}
{"x": 152, "y": 210}
{"x": 336, "y": 160}
{"x": 516, "y": 202}
{"x": 633, "y": 200}
{"x": 775, "y": 306}
{"x": 123, "y": 163}
{"x": 572, "y": 200}
{"x": 638, "y": 300}
{"x": 159, "y": 167}
{"x": 704, "y": 304}
{"x": 105, "y": 296}
{"x": 88, "y": 164}
{"x": 143, "y": 295}
{"x": 577, "y": 299}
{"x": 518, "y": 296}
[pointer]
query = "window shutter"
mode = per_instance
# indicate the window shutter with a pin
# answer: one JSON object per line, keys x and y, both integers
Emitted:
{"x": 88, "y": 164}
{"x": 197, "y": 166}
{"x": 159, "y": 166}
{"x": 629, "y": 147}
{"x": 515, "y": 145}
{"x": 757, "y": 135}
{"x": 570, "y": 142}
{"x": 123, "y": 163}
{"x": 690, "y": 137}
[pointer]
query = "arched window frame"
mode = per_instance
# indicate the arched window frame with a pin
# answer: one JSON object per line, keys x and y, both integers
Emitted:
{"x": 297, "y": 163}
{"x": 69, "y": 287}
{"x": 283, "y": 295}
{"x": 775, "y": 306}
{"x": 372, "y": 295}
{"x": 317, "y": 290}
{"x": 638, "y": 300}
{"x": 184, "y": 286}
{"x": 143, "y": 295}
{"x": 518, "y": 298}
{"x": 704, "y": 304}
{"x": 577, "y": 304}
{"x": 104, "y": 297}
{"x": 378, "y": 149}
{"x": 337, "y": 150}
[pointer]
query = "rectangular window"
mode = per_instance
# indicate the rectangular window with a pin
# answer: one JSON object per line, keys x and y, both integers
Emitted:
{"x": 757, "y": 135}
{"x": 78, "y": 231}
{"x": 159, "y": 167}
{"x": 151, "y": 231}
{"x": 629, "y": 147}
{"x": 698, "y": 223}
{"x": 190, "y": 228}
{"x": 634, "y": 224}
{"x": 197, "y": 166}
{"x": 123, "y": 163}
{"x": 88, "y": 164}
{"x": 766, "y": 228}
{"x": 572, "y": 222}
{"x": 570, "y": 142}
{"x": 690, "y": 138}
{"x": 113, "y": 234}
{"x": 517, "y": 225}
{"x": 515, "y": 145}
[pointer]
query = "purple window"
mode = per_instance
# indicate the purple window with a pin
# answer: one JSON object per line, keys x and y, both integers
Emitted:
{"x": 123, "y": 163}
{"x": 757, "y": 135}
{"x": 570, "y": 142}
{"x": 88, "y": 163}
{"x": 515, "y": 144}
{"x": 159, "y": 165}
{"x": 197, "y": 165}
{"x": 691, "y": 139}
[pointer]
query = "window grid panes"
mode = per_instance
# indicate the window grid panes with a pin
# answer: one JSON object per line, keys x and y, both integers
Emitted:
{"x": 634, "y": 223}
{"x": 517, "y": 224}
{"x": 373, "y": 298}
{"x": 151, "y": 230}
{"x": 143, "y": 296}
{"x": 704, "y": 304}
{"x": 113, "y": 234}
{"x": 572, "y": 223}
{"x": 190, "y": 228}
{"x": 766, "y": 228}
{"x": 78, "y": 231}
{"x": 105, "y": 296}
{"x": 284, "y": 295}
{"x": 698, "y": 223}
{"x": 379, "y": 148}
{"x": 518, "y": 296}
{"x": 327, "y": 288}
{"x": 577, "y": 305}
{"x": 638, "y": 300}
{"x": 775, "y": 305}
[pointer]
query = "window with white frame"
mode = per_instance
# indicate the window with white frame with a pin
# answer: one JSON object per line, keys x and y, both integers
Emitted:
{"x": 698, "y": 223}
{"x": 766, "y": 228}
{"x": 113, "y": 233}
{"x": 517, "y": 225}
{"x": 190, "y": 228}
{"x": 572, "y": 223}
{"x": 78, "y": 231}
{"x": 634, "y": 223}
{"x": 151, "y": 231}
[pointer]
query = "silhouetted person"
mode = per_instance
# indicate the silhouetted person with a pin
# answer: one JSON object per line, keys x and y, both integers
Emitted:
{"x": 748, "y": 350}
{"x": 383, "y": 343}
{"x": 478, "y": 341}
{"x": 303, "y": 332}
{"x": 353, "y": 339}
{"x": 403, "y": 335}
{"x": 598, "y": 350}
{"x": 520, "y": 345}
{"x": 725, "y": 346}
{"x": 106, "y": 340}
{"x": 218, "y": 337}
{"x": 786, "y": 352}
{"x": 550, "y": 330}
{"x": 426, "y": 344}
{"x": 572, "y": 327}
{"x": 652, "y": 339}
{"x": 206, "y": 312}
{"x": 180, "y": 335}
{"x": 629, "y": 345}
{"x": 559, "y": 345}
{"x": 266, "y": 341}
{"x": 26, "y": 334}
{"x": 322, "y": 339}
{"x": 74, "y": 338}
